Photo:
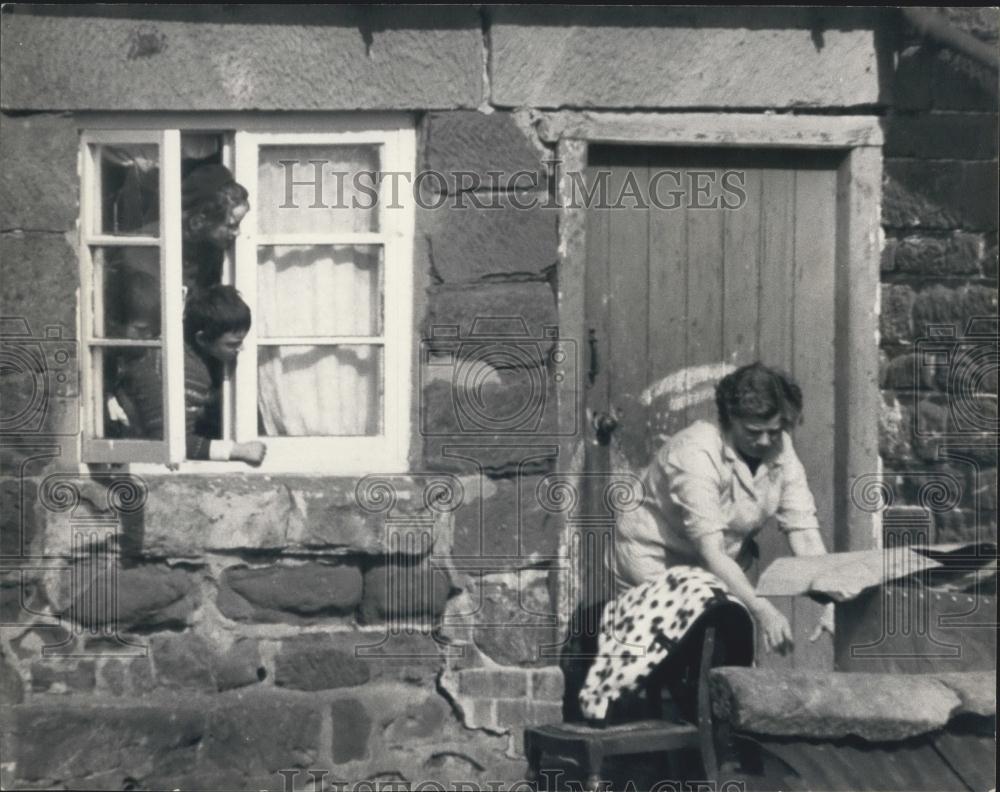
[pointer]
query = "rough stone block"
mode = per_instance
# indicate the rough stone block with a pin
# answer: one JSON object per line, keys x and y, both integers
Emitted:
{"x": 147, "y": 596}
{"x": 959, "y": 254}
{"x": 402, "y": 589}
{"x": 475, "y": 142}
{"x": 11, "y": 686}
{"x": 346, "y": 58}
{"x": 40, "y": 278}
{"x": 254, "y": 738}
{"x": 894, "y": 319}
{"x": 958, "y": 83}
{"x": 135, "y": 742}
{"x": 352, "y": 727}
{"x": 318, "y": 662}
{"x": 514, "y": 315}
{"x": 940, "y": 194}
{"x": 969, "y": 136}
{"x": 965, "y": 526}
{"x": 642, "y": 57}
{"x": 39, "y": 190}
{"x": 499, "y": 239}
{"x": 518, "y": 618}
{"x": 954, "y": 306}
{"x": 187, "y": 660}
{"x": 506, "y": 526}
{"x": 421, "y": 720}
{"x": 186, "y": 516}
{"x": 547, "y": 684}
{"x": 911, "y": 83}
{"x": 274, "y": 592}
{"x": 18, "y": 518}
{"x": 875, "y": 707}
{"x": 113, "y": 677}
{"x": 63, "y": 676}
{"x": 493, "y": 683}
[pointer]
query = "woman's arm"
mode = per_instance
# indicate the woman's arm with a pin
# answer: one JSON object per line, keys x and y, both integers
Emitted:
{"x": 806, "y": 542}
{"x": 773, "y": 625}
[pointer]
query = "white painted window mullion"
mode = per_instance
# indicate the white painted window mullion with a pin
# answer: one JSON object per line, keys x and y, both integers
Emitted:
{"x": 171, "y": 293}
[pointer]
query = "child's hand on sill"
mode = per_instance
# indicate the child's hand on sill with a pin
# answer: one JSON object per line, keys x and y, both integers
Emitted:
{"x": 252, "y": 453}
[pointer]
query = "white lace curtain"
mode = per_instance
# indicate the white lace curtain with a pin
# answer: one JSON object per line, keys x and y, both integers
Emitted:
{"x": 318, "y": 292}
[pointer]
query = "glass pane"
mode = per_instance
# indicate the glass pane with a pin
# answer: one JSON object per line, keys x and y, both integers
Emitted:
{"x": 129, "y": 189}
{"x": 126, "y": 292}
{"x": 319, "y": 290}
{"x": 128, "y": 386}
{"x": 320, "y": 390}
{"x": 318, "y": 189}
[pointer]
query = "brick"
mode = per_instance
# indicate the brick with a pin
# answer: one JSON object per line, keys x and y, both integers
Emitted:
{"x": 316, "y": 662}
{"x": 39, "y": 188}
{"x": 508, "y": 238}
{"x": 515, "y": 714}
{"x": 940, "y": 194}
{"x": 147, "y": 596}
{"x": 547, "y": 684}
{"x": 894, "y": 319}
{"x": 506, "y": 525}
{"x": 475, "y": 142}
{"x": 404, "y": 589}
{"x": 239, "y": 59}
{"x": 273, "y": 592}
{"x": 352, "y": 727}
{"x": 639, "y": 58}
{"x": 63, "y": 676}
{"x": 493, "y": 683}
{"x": 969, "y": 136}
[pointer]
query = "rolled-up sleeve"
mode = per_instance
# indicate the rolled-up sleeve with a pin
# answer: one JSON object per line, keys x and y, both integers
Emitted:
{"x": 797, "y": 508}
{"x": 693, "y": 481}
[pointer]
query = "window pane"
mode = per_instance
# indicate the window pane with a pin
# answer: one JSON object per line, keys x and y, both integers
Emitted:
{"x": 320, "y": 390}
{"x": 128, "y": 386}
{"x": 126, "y": 292}
{"x": 319, "y": 290}
{"x": 317, "y": 189}
{"x": 129, "y": 189}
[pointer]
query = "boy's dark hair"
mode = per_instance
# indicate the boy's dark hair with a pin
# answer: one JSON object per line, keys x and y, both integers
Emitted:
{"x": 142, "y": 299}
{"x": 210, "y": 191}
{"x": 214, "y": 311}
{"x": 758, "y": 392}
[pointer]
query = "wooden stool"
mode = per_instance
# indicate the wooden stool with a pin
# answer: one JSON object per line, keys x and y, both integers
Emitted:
{"x": 589, "y": 746}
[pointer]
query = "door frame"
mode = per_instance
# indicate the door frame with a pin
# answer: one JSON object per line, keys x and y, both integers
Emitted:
{"x": 858, "y": 250}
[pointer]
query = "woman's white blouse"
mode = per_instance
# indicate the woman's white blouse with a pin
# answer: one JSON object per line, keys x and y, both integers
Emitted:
{"x": 698, "y": 484}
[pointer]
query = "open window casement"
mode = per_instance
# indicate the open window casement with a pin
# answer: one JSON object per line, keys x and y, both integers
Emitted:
{"x": 323, "y": 259}
{"x": 130, "y": 261}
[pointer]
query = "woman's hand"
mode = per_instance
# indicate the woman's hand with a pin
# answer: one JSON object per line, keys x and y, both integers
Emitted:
{"x": 774, "y": 627}
{"x": 825, "y": 623}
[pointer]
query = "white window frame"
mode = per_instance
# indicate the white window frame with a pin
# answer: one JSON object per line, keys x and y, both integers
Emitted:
{"x": 396, "y": 137}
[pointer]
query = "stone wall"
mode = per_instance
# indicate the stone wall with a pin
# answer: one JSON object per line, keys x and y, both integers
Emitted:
{"x": 939, "y": 287}
{"x": 212, "y": 632}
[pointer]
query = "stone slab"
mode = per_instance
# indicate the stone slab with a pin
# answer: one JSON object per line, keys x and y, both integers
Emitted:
{"x": 875, "y": 707}
{"x": 669, "y": 58}
{"x": 243, "y": 58}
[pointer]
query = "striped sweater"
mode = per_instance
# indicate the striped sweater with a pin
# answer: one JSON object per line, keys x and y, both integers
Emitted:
{"x": 141, "y": 386}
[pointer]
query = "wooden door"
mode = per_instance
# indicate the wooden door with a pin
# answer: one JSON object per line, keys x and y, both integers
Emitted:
{"x": 703, "y": 259}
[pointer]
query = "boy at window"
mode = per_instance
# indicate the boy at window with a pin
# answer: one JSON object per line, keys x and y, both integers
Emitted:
{"x": 216, "y": 320}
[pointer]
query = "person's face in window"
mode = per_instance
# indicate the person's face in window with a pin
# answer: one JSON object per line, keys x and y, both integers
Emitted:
{"x": 225, "y": 348}
{"x": 219, "y": 235}
{"x": 756, "y": 438}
